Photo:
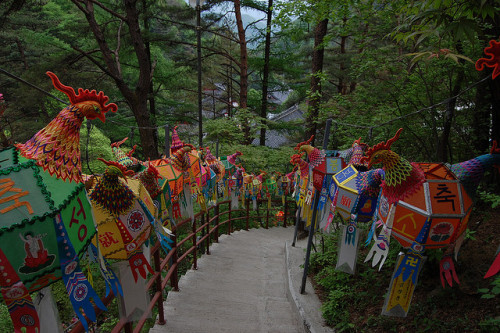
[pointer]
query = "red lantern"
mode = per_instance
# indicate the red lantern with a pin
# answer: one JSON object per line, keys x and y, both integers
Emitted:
{"x": 442, "y": 199}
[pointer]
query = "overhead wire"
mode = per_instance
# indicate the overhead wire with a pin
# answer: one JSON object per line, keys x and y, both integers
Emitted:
{"x": 369, "y": 127}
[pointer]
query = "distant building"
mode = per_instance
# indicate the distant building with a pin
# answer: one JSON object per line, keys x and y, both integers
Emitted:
{"x": 276, "y": 139}
{"x": 215, "y": 106}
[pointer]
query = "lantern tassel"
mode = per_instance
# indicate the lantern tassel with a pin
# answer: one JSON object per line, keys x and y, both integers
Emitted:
{"x": 495, "y": 267}
{"x": 18, "y": 300}
{"x": 110, "y": 279}
{"x": 447, "y": 271}
{"x": 78, "y": 287}
{"x": 138, "y": 263}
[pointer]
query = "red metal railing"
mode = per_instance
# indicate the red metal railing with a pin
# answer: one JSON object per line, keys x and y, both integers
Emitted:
{"x": 209, "y": 227}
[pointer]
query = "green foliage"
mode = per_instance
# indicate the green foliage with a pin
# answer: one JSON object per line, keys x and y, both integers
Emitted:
{"x": 225, "y": 130}
{"x": 490, "y": 325}
{"x": 469, "y": 234}
{"x": 5, "y": 321}
{"x": 256, "y": 158}
{"x": 99, "y": 146}
{"x": 490, "y": 198}
{"x": 335, "y": 310}
{"x": 492, "y": 292}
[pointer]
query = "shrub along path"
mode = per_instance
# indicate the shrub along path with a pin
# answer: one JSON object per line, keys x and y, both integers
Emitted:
{"x": 240, "y": 287}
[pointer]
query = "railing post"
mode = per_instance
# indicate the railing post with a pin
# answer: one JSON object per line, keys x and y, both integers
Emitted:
{"x": 159, "y": 304}
{"x": 128, "y": 327}
{"x": 286, "y": 212}
{"x": 216, "y": 236}
{"x": 230, "y": 221}
{"x": 207, "y": 221}
{"x": 195, "y": 260}
{"x": 174, "y": 279}
{"x": 248, "y": 214}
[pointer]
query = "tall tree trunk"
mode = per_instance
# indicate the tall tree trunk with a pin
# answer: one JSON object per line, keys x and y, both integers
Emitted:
{"x": 151, "y": 95}
{"x": 317, "y": 68}
{"x": 443, "y": 141}
{"x": 481, "y": 124}
{"x": 137, "y": 98}
{"x": 243, "y": 65}
{"x": 21, "y": 52}
{"x": 495, "y": 109}
{"x": 342, "y": 87}
{"x": 265, "y": 74}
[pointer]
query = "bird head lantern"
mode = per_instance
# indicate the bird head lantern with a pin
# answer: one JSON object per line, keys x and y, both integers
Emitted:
{"x": 358, "y": 149}
{"x": 356, "y": 191}
{"x": 126, "y": 159}
{"x": 493, "y": 51}
{"x": 232, "y": 159}
{"x": 174, "y": 172}
{"x": 354, "y": 196}
{"x": 46, "y": 218}
{"x": 149, "y": 179}
{"x": 423, "y": 205}
{"x": 421, "y": 192}
{"x": 124, "y": 215}
{"x": 469, "y": 169}
{"x": 154, "y": 182}
{"x": 214, "y": 164}
{"x": 301, "y": 179}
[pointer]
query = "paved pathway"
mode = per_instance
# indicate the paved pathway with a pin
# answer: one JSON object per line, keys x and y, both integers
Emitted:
{"x": 243, "y": 286}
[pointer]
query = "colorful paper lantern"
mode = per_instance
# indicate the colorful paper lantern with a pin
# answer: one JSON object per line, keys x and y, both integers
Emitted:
{"x": 232, "y": 159}
{"x": 46, "y": 221}
{"x": 330, "y": 166}
{"x": 173, "y": 169}
{"x": 423, "y": 205}
{"x": 214, "y": 164}
{"x": 357, "y": 192}
{"x": 124, "y": 215}
{"x": 228, "y": 167}
{"x": 174, "y": 178}
{"x": 493, "y": 52}
{"x": 126, "y": 159}
{"x": 355, "y": 200}
{"x": 442, "y": 200}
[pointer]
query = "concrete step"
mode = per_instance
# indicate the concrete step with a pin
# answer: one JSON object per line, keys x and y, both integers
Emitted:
{"x": 242, "y": 286}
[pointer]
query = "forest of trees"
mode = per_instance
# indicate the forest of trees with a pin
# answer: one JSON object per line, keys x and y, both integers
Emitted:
{"x": 370, "y": 66}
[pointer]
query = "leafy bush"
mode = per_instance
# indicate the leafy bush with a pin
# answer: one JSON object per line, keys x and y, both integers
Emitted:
{"x": 256, "y": 158}
{"x": 5, "y": 322}
{"x": 490, "y": 198}
{"x": 492, "y": 292}
{"x": 99, "y": 146}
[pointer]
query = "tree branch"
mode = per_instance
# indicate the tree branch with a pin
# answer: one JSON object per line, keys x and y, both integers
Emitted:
{"x": 121, "y": 17}
{"x": 116, "y": 52}
{"x": 92, "y": 59}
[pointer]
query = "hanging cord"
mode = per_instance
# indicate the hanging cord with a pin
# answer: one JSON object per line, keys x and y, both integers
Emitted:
{"x": 31, "y": 85}
{"x": 427, "y": 108}
{"x": 336, "y": 122}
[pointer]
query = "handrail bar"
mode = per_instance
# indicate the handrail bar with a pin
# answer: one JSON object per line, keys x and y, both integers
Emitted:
{"x": 172, "y": 259}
